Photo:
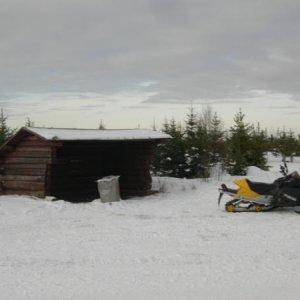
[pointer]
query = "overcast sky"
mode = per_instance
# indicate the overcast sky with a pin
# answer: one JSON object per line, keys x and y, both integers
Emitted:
{"x": 70, "y": 63}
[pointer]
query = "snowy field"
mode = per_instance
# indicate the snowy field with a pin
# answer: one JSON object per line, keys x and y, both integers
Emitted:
{"x": 174, "y": 245}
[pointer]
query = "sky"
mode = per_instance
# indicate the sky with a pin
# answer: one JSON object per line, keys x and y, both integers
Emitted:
{"x": 130, "y": 63}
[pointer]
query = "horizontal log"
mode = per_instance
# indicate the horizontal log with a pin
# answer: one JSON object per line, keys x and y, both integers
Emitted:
{"x": 28, "y": 143}
{"x": 43, "y": 148}
{"x": 18, "y": 166}
{"x": 27, "y": 160}
{"x": 33, "y": 138}
{"x": 22, "y": 178}
{"x": 26, "y": 172}
{"x": 23, "y": 185}
{"x": 30, "y": 154}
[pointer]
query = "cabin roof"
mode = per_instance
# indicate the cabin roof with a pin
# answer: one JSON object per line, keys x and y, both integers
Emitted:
{"x": 66, "y": 134}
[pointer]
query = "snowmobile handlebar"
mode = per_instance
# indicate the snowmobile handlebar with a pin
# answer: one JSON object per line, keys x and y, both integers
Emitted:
{"x": 280, "y": 181}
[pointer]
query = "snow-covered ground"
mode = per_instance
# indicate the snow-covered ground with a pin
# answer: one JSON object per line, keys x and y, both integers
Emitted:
{"x": 174, "y": 245}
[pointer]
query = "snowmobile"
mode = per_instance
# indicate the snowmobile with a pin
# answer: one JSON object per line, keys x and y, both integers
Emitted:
{"x": 259, "y": 196}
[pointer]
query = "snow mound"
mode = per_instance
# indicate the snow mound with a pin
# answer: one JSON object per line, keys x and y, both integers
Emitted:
{"x": 174, "y": 185}
{"x": 258, "y": 174}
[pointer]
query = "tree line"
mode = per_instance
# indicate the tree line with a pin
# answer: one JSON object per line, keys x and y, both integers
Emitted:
{"x": 202, "y": 143}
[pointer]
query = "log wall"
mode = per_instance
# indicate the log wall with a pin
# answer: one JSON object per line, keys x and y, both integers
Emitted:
{"x": 24, "y": 167}
{"x": 69, "y": 170}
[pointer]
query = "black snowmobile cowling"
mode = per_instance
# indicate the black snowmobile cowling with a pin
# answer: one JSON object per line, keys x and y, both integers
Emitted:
{"x": 259, "y": 196}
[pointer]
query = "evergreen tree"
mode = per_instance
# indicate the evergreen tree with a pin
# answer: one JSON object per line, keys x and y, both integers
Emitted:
{"x": 191, "y": 124}
{"x": 239, "y": 145}
{"x": 29, "y": 122}
{"x": 169, "y": 159}
{"x": 286, "y": 144}
{"x": 101, "y": 125}
{"x": 216, "y": 140}
{"x": 272, "y": 143}
{"x": 298, "y": 146}
{"x": 199, "y": 135}
{"x": 5, "y": 131}
{"x": 259, "y": 147}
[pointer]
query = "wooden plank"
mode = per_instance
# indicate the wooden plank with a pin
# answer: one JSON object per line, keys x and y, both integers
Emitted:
{"x": 37, "y": 143}
{"x": 28, "y": 154}
{"x": 23, "y": 185}
{"x": 37, "y": 150}
{"x": 27, "y": 172}
{"x": 33, "y": 138}
{"x": 13, "y": 166}
{"x": 22, "y": 178}
{"x": 44, "y": 148}
{"x": 27, "y": 160}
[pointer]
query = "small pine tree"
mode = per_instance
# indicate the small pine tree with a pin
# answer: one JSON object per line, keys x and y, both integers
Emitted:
{"x": 259, "y": 147}
{"x": 239, "y": 145}
{"x": 216, "y": 140}
{"x": 298, "y": 146}
{"x": 29, "y": 122}
{"x": 5, "y": 131}
{"x": 286, "y": 144}
{"x": 169, "y": 158}
{"x": 271, "y": 143}
{"x": 101, "y": 125}
{"x": 191, "y": 124}
{"x": 197, "y": 140}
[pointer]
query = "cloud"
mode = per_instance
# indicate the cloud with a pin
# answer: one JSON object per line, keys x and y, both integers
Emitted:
{"x": 205, "y": 51}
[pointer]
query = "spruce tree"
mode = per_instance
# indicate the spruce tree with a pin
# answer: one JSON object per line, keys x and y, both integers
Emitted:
{"x": 286, "y": 144}
{"x": 5, "y": 131}
{"x": 198, "y": 144}
{"x": 169, "y": 159}
{"x": 239, "y": 145}
{"x": 298, "y": 146}
{"x": 101, "y": 125}
{"x": 29, "y": 122}
{"x": 216, "y": 140}
{"x": 259, "y": 147}
{"x": 191, "y": 124}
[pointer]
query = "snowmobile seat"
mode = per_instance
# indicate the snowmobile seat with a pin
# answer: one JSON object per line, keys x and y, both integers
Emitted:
{"x": 262, "y": 188}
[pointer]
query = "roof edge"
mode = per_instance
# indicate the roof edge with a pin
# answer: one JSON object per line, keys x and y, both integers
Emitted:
{"x": 27, "y": 129}
{"x": 15, "y": 136}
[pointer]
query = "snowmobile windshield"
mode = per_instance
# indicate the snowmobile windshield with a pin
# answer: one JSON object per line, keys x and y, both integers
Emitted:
{"x": 295, "y": 175}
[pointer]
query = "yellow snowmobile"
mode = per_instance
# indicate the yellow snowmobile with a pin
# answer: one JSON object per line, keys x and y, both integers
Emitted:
{"x": 259, "y": 196}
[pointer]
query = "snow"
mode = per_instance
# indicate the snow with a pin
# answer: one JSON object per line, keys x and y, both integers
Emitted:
{"x": 177, "y": 244}
{"x": 96, "y": 134}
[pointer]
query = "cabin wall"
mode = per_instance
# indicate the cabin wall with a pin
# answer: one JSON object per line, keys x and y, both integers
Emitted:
{"x": 24, "y": 167}
{"x": 77, "y": 165}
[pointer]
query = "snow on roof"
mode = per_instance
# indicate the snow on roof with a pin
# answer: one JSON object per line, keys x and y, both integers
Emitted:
{"x": 65, "y": 134}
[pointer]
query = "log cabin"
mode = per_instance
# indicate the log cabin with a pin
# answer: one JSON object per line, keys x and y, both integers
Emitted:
{"x": 65, "y": 163}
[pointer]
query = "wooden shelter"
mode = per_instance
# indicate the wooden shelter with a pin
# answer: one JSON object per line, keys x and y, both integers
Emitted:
{"x": 65, "y": 163}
